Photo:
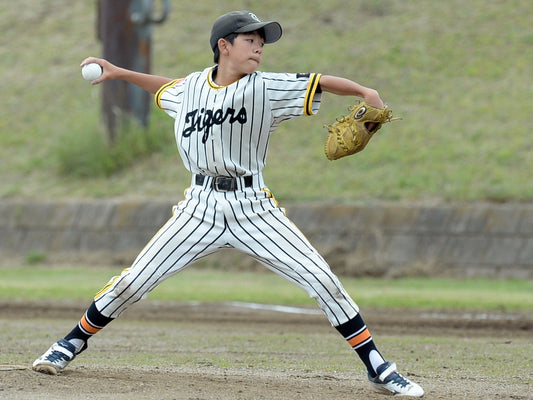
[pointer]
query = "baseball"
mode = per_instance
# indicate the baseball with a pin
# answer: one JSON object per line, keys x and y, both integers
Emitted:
{"x": 91, "y": 71}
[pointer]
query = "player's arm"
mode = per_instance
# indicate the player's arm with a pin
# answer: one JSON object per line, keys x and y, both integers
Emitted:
{"x": 148, "y": 82}
{"x": 346, "y": 87}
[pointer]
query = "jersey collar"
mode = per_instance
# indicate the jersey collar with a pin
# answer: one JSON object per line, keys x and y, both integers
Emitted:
{"x": 211, "y": 81}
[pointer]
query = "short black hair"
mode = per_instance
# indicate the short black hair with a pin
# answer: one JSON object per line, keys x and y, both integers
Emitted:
{"x": 230, "y": 38}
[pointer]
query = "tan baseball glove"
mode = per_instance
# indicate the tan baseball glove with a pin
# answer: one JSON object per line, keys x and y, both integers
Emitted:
{"x": 350, "y": 134}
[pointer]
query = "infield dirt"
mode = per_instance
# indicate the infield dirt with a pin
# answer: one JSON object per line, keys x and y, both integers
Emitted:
{"x": 231, "y": 351}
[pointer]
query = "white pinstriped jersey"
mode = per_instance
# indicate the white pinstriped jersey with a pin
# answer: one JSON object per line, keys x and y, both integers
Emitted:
{"x": 224, "y": 131}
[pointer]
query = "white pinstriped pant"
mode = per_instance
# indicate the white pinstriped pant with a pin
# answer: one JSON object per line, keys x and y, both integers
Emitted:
{"x": 247, "y": 219}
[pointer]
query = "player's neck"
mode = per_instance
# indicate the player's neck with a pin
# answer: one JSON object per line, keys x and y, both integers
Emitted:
{"x": 224, "y": 76}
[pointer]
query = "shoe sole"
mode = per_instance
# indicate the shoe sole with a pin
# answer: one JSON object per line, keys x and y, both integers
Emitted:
{"x": 380, "y": 389}
{"x": 45, "y": 369}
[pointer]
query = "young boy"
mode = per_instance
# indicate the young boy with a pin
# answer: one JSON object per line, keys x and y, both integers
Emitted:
{"x": 224, "y": 116}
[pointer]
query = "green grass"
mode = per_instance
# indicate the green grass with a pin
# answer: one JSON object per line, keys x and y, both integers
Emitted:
{"x": 458, "y": 73}
{"x": 202, "y": 284}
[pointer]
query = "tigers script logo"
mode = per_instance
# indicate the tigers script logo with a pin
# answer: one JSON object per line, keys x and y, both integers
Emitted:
{"x": 203, "y": 120}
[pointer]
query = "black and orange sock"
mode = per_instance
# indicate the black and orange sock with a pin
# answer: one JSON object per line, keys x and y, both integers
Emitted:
{"x": 90, "y": 323}
{"x": 358, "y": 336}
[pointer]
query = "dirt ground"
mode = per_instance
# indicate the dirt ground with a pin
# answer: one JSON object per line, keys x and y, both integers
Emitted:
{"x": 235, "y": 351}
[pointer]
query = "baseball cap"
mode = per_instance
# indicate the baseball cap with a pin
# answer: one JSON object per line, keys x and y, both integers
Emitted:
{"x": 241, "y": 22}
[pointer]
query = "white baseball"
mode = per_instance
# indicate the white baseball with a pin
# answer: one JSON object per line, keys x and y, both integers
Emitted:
{"x": 91, "y": 71}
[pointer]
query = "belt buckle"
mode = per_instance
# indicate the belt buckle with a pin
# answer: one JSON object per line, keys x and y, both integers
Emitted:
{"x": 224, "y": 184}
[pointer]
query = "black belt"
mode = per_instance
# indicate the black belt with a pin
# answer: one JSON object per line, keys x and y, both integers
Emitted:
{"x": 224, "y": 183}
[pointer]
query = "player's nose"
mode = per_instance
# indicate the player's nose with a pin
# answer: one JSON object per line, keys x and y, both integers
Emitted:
{"x": 258, "y": 47}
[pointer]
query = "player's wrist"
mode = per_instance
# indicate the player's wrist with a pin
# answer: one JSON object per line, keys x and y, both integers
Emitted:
{"x": 371, "y": 97}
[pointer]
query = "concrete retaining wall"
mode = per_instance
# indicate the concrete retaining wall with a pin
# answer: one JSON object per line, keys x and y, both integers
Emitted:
{"x": 382, "y": 240}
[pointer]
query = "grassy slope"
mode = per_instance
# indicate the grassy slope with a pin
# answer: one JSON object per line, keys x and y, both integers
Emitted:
{"x": 459, "y": 73}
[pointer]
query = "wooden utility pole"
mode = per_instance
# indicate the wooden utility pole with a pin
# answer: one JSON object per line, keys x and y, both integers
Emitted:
{"x": 125, "y": 29}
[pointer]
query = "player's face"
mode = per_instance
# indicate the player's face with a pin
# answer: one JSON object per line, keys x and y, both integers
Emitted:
{"x": 247, "y": 51}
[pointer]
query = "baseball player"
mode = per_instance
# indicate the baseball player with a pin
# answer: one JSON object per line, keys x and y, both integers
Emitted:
{"x": 224, "y": 116}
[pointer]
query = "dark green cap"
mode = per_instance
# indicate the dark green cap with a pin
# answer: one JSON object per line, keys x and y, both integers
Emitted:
{"x": 241, "y": 22}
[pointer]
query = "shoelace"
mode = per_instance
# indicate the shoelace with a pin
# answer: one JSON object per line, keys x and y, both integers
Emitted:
{"x": 397, "y": 379}
{"x": 56, "y": 355}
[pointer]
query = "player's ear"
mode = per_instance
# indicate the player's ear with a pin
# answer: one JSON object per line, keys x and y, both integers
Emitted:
{"x": 223, "y": 46}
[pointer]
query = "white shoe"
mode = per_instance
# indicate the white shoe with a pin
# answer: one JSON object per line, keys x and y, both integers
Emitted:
{"x": 56, "y": 358}
{"x": 388, "y": 380}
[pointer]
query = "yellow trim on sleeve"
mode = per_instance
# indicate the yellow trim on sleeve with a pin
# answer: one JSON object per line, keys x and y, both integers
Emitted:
{"x": 159, "y": 93}
{"x": 310, "y": 95}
